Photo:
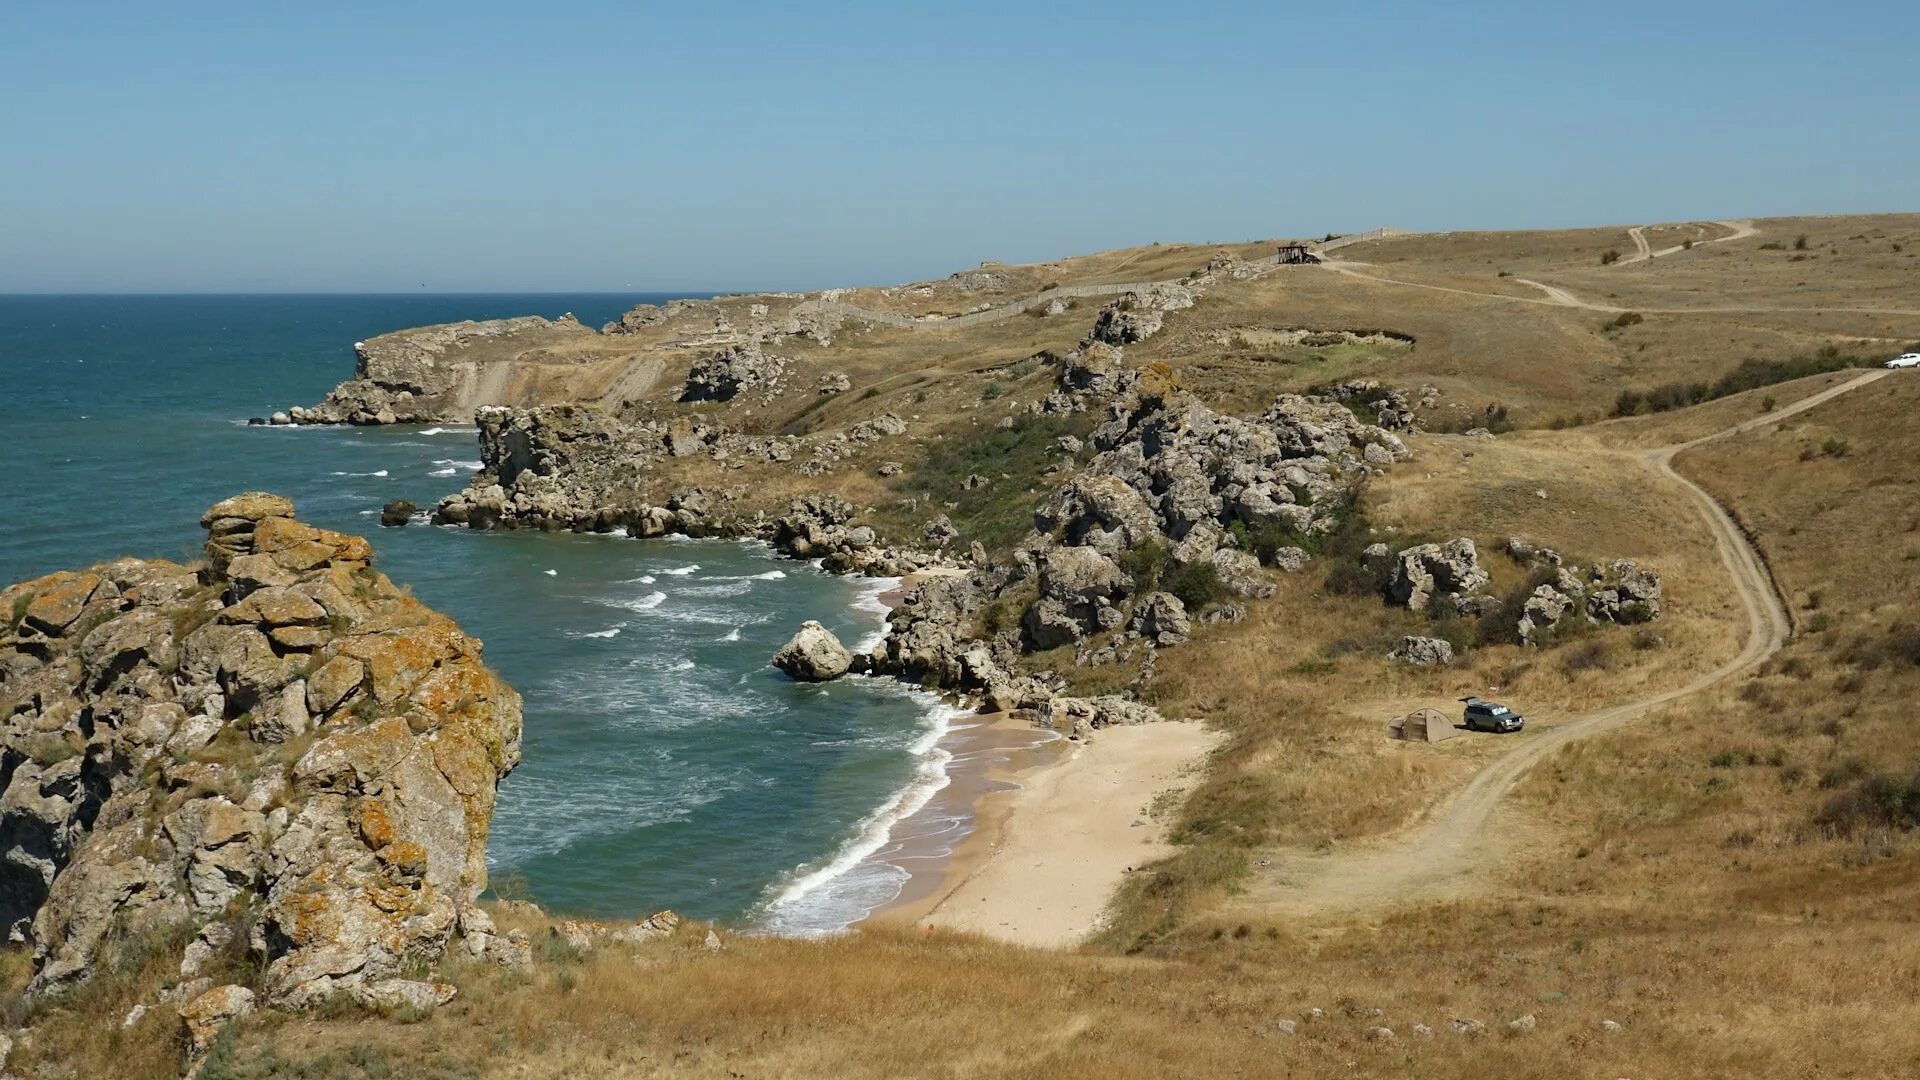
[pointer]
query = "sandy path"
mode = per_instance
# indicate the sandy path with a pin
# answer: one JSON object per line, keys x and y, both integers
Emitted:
{"x": 1438, "y": 857}
{"x": 1736, "y": 230}
{"x": 1069, "y": 837}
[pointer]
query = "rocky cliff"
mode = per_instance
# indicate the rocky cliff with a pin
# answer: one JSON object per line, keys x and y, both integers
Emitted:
{"x": 442, "y": 373}
{"x": 276, "y": 760}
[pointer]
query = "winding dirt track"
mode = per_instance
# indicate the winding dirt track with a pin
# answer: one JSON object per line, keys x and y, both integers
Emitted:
{"x": 1437, "y": 856}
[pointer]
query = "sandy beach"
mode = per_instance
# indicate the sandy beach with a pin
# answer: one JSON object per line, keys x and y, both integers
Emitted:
{"x": 1034, "y": 832}
{"x": 1045, "y": 856}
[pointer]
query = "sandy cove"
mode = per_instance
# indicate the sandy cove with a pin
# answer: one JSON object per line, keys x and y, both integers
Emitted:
{"x": 1043, "y": 859}
{"x": 1052, "y": 826}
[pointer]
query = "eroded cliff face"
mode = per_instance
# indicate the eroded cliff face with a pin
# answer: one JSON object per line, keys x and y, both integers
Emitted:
{"x": 443, "y": 373}
{"x": 278, "y": 758}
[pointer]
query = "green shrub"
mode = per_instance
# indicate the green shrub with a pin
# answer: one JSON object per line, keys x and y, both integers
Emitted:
{"x": 1624, "y": 320}
{"x": 1800, "y": 242}
{"x": 1197, "y": 584}
{"x": 1609, "y": 257}
{"x": 19, "y": 614}
{"x": 1593, "y": 654}
{"x": 1145, "y": 564}
{"x": 1877, "y": 801}
{"x": 1266, "y": 539}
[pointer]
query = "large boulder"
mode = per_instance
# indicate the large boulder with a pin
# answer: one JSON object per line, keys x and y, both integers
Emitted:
{"x": 1424, "y": 651}
{"x": 1161, "y": 618}
{"x": 1543, "y": 610}
{"x": 813, "y": 655}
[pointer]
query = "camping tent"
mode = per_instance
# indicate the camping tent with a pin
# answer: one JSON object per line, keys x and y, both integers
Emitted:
{"x": 1421, "y": 725}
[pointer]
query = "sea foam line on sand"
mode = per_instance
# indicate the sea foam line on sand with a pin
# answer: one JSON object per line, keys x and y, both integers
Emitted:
{"x": 788, "y": 912}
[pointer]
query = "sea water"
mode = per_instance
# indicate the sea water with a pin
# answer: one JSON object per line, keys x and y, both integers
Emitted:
{"x": 665, "y": 763}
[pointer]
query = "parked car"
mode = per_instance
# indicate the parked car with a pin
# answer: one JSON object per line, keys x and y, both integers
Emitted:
{"x": 1492, "y": 716}
{"x": 1905, "y": 360}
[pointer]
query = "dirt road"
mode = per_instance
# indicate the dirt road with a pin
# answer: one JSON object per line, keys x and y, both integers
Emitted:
{"x": 1449, "y": 851}
{"x": 1554, "y": 296}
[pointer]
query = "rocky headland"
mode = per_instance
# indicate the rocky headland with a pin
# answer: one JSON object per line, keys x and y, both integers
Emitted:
{"x": 274, "y": 762}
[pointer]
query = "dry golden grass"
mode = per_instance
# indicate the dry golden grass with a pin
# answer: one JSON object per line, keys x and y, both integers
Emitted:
{"x": 1739, "y": 993}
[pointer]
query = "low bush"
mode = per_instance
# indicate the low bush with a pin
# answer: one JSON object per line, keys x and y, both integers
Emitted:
{"x": 1752, "y": 374}
{"x": 1197, "y": 584}
{"x": 1145, "y": 564}
{"x": 1878, "y": 800}
{"x": 1609, "y": 257}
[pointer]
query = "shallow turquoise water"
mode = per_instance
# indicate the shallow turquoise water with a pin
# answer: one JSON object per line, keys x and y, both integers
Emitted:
{"x": 666, "y": 765}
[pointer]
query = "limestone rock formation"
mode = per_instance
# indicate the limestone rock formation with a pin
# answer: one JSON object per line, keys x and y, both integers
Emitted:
{"x": 279, "y": 749}
{"x": 1162, "y": 619}
{"x": 1451, "y": 570}
{"x": 1624, "y": 593}
{"x": 813, "y": 655}
{"x": 1125, "y": 321}
{"x": 720, "y": 376}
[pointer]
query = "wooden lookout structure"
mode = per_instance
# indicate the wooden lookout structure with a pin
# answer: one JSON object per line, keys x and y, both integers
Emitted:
{"x": 1296, "y": 255}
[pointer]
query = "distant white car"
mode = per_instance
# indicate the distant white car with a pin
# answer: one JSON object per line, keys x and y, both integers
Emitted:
{"x": 1905, "y": 360}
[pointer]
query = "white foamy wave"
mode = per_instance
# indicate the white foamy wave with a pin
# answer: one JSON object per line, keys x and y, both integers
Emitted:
{"x": 609, "y": 632}
{"x": 725, "y": 588}
{"x": 869, "y": 601}
{"x": 551, "y": 573}
{"x": 683, "y": 665}
{"x": 455, "y": 463}
{"x": 443, "y": 472}
{"x": 847, "y": 888}
{"x": 645, "y": 603}
{"x": 771, "y": 575}
{"x": 451, "y": 431}
{"x": 682, "y": 571}
{"x": 377, "y": 472}
{"x": 731, "y": 635}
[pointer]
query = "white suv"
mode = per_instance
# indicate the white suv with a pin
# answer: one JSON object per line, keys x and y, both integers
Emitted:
{"x": 1905, "y": 360}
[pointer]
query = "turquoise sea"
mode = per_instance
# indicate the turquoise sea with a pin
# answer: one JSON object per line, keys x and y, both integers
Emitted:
{"x": 666, "y": 764}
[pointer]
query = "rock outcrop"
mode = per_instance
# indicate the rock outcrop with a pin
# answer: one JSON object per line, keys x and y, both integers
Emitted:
{"x": 1449, "y": 571}
{"x": 723, "y": 375}
{"x": 813, "y": 655}
{"x": 1619, "y": 592}
{"x": 279, "y": 750}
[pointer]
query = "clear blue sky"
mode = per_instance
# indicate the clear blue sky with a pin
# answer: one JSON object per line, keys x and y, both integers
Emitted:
{"x": 485, "y": 146}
